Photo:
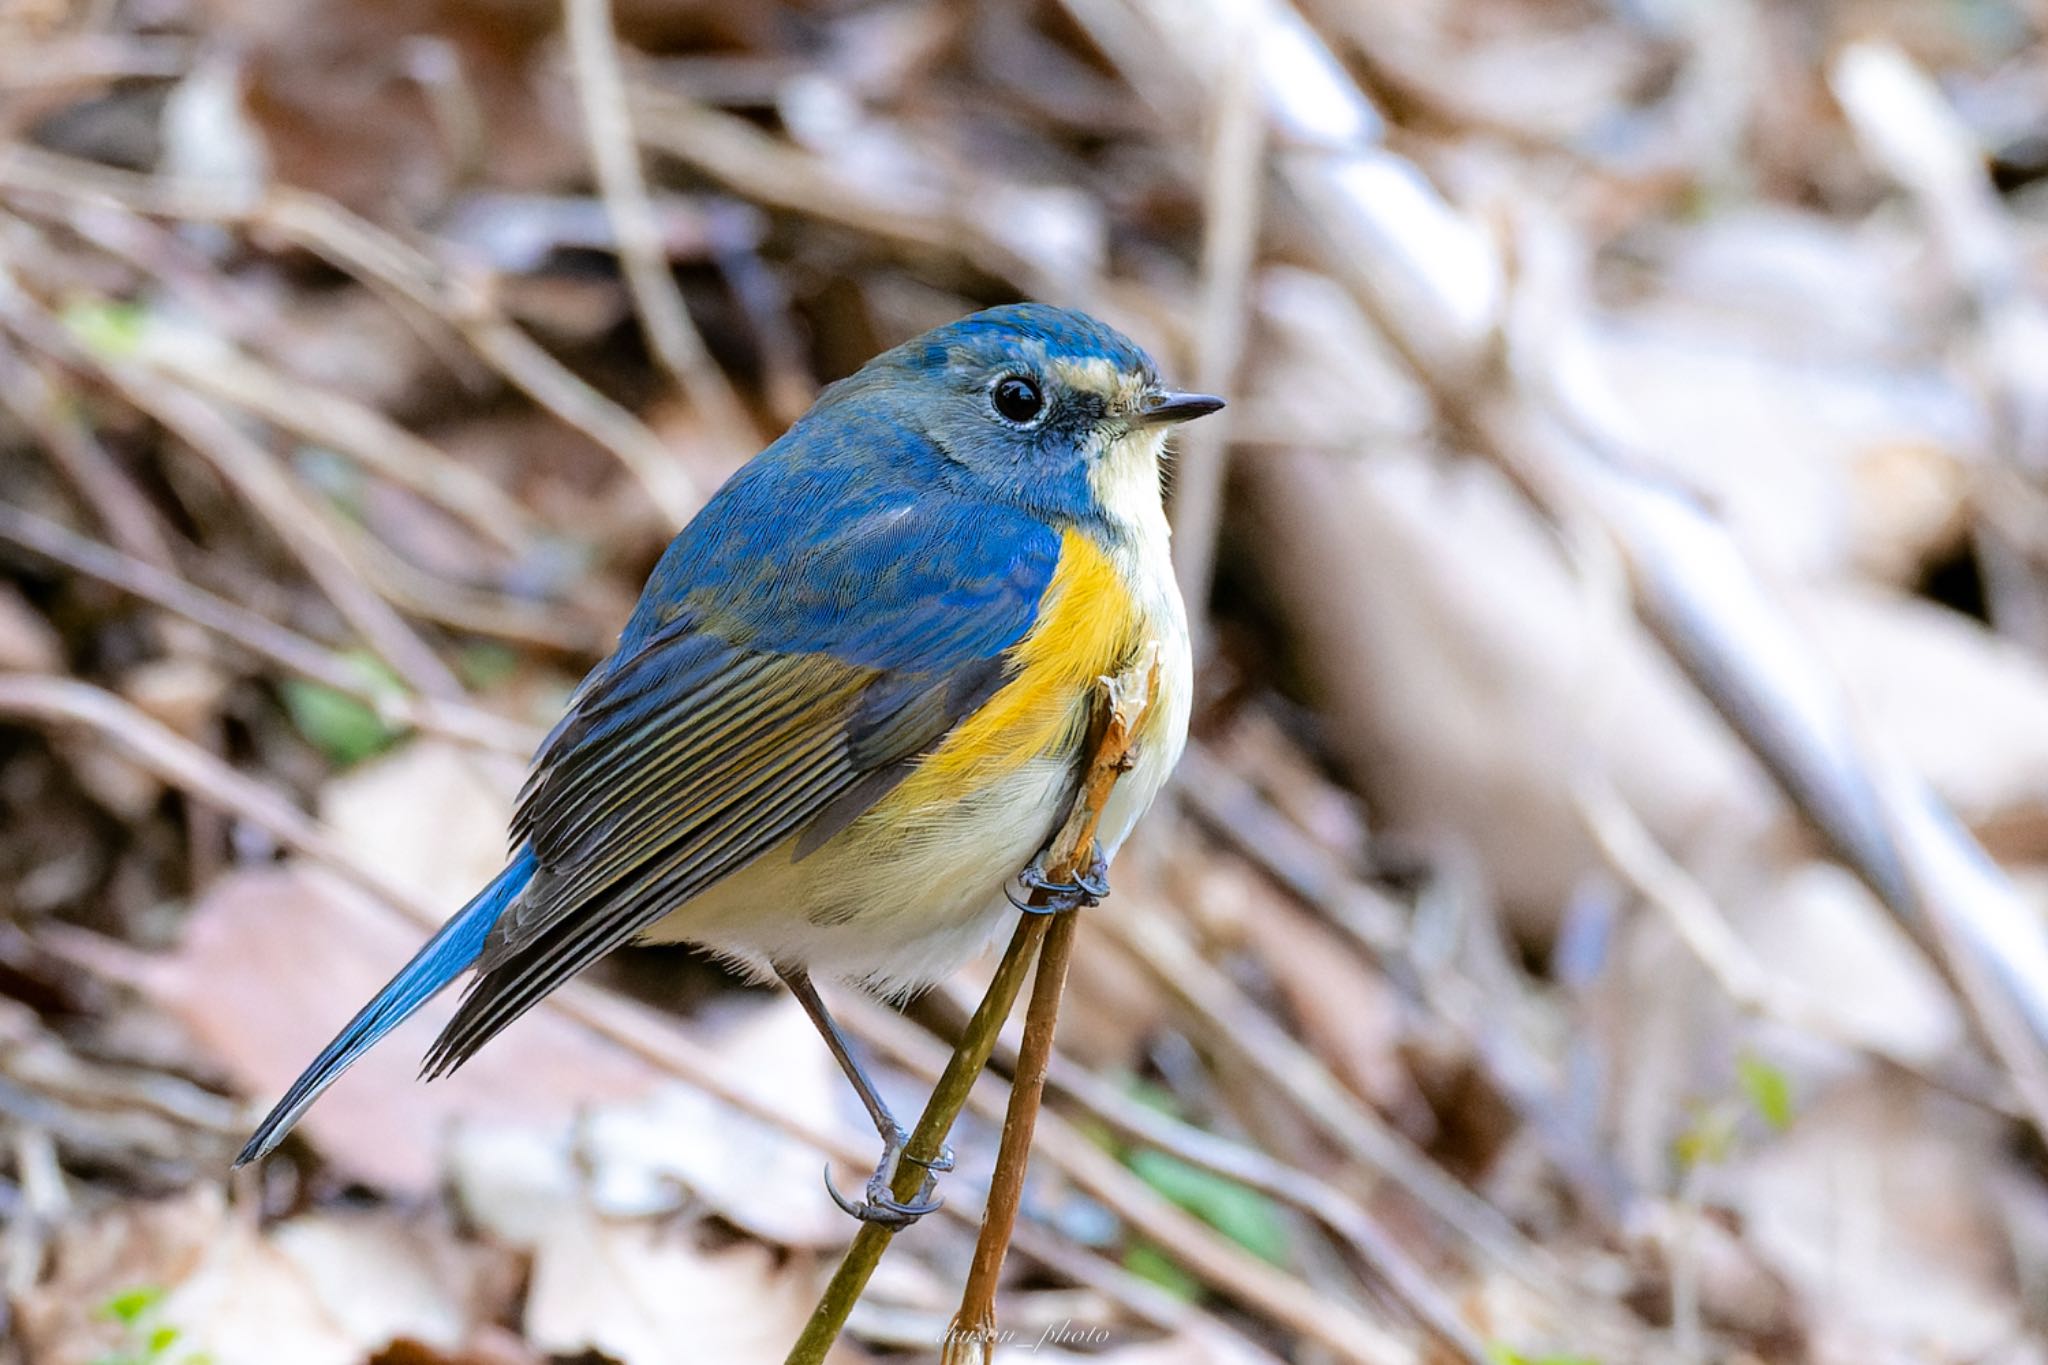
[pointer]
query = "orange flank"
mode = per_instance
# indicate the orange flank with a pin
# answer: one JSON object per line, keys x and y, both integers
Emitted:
{"x": 1088, "y": 626}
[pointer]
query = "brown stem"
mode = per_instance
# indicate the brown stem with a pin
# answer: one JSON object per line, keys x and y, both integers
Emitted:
{"x": 974, "y": 1325}
{"x": 1071, "y": 852}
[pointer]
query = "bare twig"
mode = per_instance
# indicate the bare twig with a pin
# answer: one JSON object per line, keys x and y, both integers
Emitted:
{"x": 1633, "y": 853}
{"x": 351, "y": 244}
{"x": 266, "y": 639}
{"x": 972, "y": 1333}
{"x": 927, "y": 1139}
{"x": 772, "y": 171}
{"x": 608, "y": 127}
{"x": 1066, "y": 858}
{"x": 29, "y": 389}
{"x": 342, "y": 424}
{"x": 429, "y": 596}
{"x": 1196, "y": 1247}
{"x": 1236, "y": 1025}
{"x": 355, "y": 245}
{"x": 252, "y": 472}
{"x": 1375, "y": 1247}
{"x": 1234, "y": 200}
{"x": 971, "y": 1336}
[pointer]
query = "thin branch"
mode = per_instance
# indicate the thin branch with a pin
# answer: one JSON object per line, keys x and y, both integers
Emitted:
{"x": 351, "y": 428}
{"x": 971, "y": 1336}
{"x": 927, "y": 1140}
{"x": 351, "y": 244}
{"x": 972, "y": 1333}
{"x": 1633, "y": 853}
{"x": 773, "y": 171}
{"x": 1067, "y": 857}
{"x": 253, "y": 472}
{"x": 260, "y": 636}
{"x": 1238, "y": 1026}
{"x": 608, "y": 127}
{"x": 1197, "y": 1248}
{"x": 1234, "y": 201}
{"x": 30, "y": 389}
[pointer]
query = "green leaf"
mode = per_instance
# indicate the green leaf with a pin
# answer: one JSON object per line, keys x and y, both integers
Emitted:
{"x": 1243, "y": 1215}
{"x": 106, "y": 327}
{"x": 1711, "y": 1137}
{"x": 162, "y": 1339}
{"x": 1153, "y": 1096}
{"x": 1769, "y": 1092}
{"x": 1507, "y": 1355}
{"x": 130, "y": 1306}
{"x": 485, "y": 665}
{"x": 338, "y": 725}
{"x": 1149, "y": 1263}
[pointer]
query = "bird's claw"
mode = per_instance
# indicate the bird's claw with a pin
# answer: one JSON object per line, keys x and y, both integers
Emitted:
{"x": 1086, "y": 890}
{"x": 937, "y": 1165}
{"x": 881, "y": 1206}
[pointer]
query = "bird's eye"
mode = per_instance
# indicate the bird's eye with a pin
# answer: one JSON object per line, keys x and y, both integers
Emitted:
{"x": 1017, "y": 399}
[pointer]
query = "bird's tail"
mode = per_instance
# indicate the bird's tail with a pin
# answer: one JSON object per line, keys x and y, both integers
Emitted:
{"x": 446, "y": 956}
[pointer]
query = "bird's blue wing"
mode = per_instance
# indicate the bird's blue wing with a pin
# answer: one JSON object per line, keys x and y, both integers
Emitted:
{"x": 803, "y": 639}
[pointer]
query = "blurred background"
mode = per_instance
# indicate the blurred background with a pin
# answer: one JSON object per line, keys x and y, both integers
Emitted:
{"x": 1599, "y": 918}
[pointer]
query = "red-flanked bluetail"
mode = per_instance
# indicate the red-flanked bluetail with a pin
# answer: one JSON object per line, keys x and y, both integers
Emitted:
{"x": 852, "y": 702}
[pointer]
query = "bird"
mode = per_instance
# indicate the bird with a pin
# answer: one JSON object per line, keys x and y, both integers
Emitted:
{"x": 850, "y": 706}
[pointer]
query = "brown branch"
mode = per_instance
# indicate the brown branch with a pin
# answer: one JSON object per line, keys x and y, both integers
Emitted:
{"x": 255, "y": 475}
{"x": 608, "y": 128}
{"x": 393, "y": 268}
{"x": 447, "y": 717}
{"x": 1232, "y": 1273}
{"x": 972, "y": 1333}
{"x": 1070, "y": 853}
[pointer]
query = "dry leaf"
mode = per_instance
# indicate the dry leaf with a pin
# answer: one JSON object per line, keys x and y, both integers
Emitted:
{"x": 430, "y": 815}
{"x": 27, "y": 642}
{"x": 325, "y": 1289}
{"x": 1967, "y": 710}
{"x": 1874, "y": 1207}
{"x": 648, "y": 1293}
{"x": 645, "y": 1154}
{"x": 1463, "y": 681}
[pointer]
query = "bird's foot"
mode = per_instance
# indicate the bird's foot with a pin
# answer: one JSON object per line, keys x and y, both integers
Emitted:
{"x": 881, "y": 1206}
{"x": 1085, "y": 890}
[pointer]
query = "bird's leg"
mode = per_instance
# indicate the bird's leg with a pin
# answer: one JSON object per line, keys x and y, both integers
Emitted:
{"x": 881, "y": 1205}
{"x": 1085, "y": 890}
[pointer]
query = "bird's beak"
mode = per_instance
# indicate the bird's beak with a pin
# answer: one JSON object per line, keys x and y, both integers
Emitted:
{"x": 1168, "y": 406}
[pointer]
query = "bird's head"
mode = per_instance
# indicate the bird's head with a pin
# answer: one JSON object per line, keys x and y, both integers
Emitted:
{"x": 1041, "y": 407}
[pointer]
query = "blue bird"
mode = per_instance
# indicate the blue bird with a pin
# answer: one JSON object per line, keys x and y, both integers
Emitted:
{"x": 852, "y": 701}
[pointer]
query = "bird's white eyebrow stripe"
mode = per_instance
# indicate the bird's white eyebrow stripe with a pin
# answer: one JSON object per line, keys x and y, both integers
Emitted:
{"x": 1100, "y": 375}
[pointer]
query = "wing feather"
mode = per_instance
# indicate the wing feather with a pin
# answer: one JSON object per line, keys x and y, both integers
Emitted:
{"x": 775, "y": 807}
{"x": 753, "y": 702}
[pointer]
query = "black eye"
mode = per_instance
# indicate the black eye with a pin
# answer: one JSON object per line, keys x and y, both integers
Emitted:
{"x": 1017, "y": 399}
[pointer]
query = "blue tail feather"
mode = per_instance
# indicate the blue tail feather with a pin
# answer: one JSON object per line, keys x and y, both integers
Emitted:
{"x": 446, "y": 956}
